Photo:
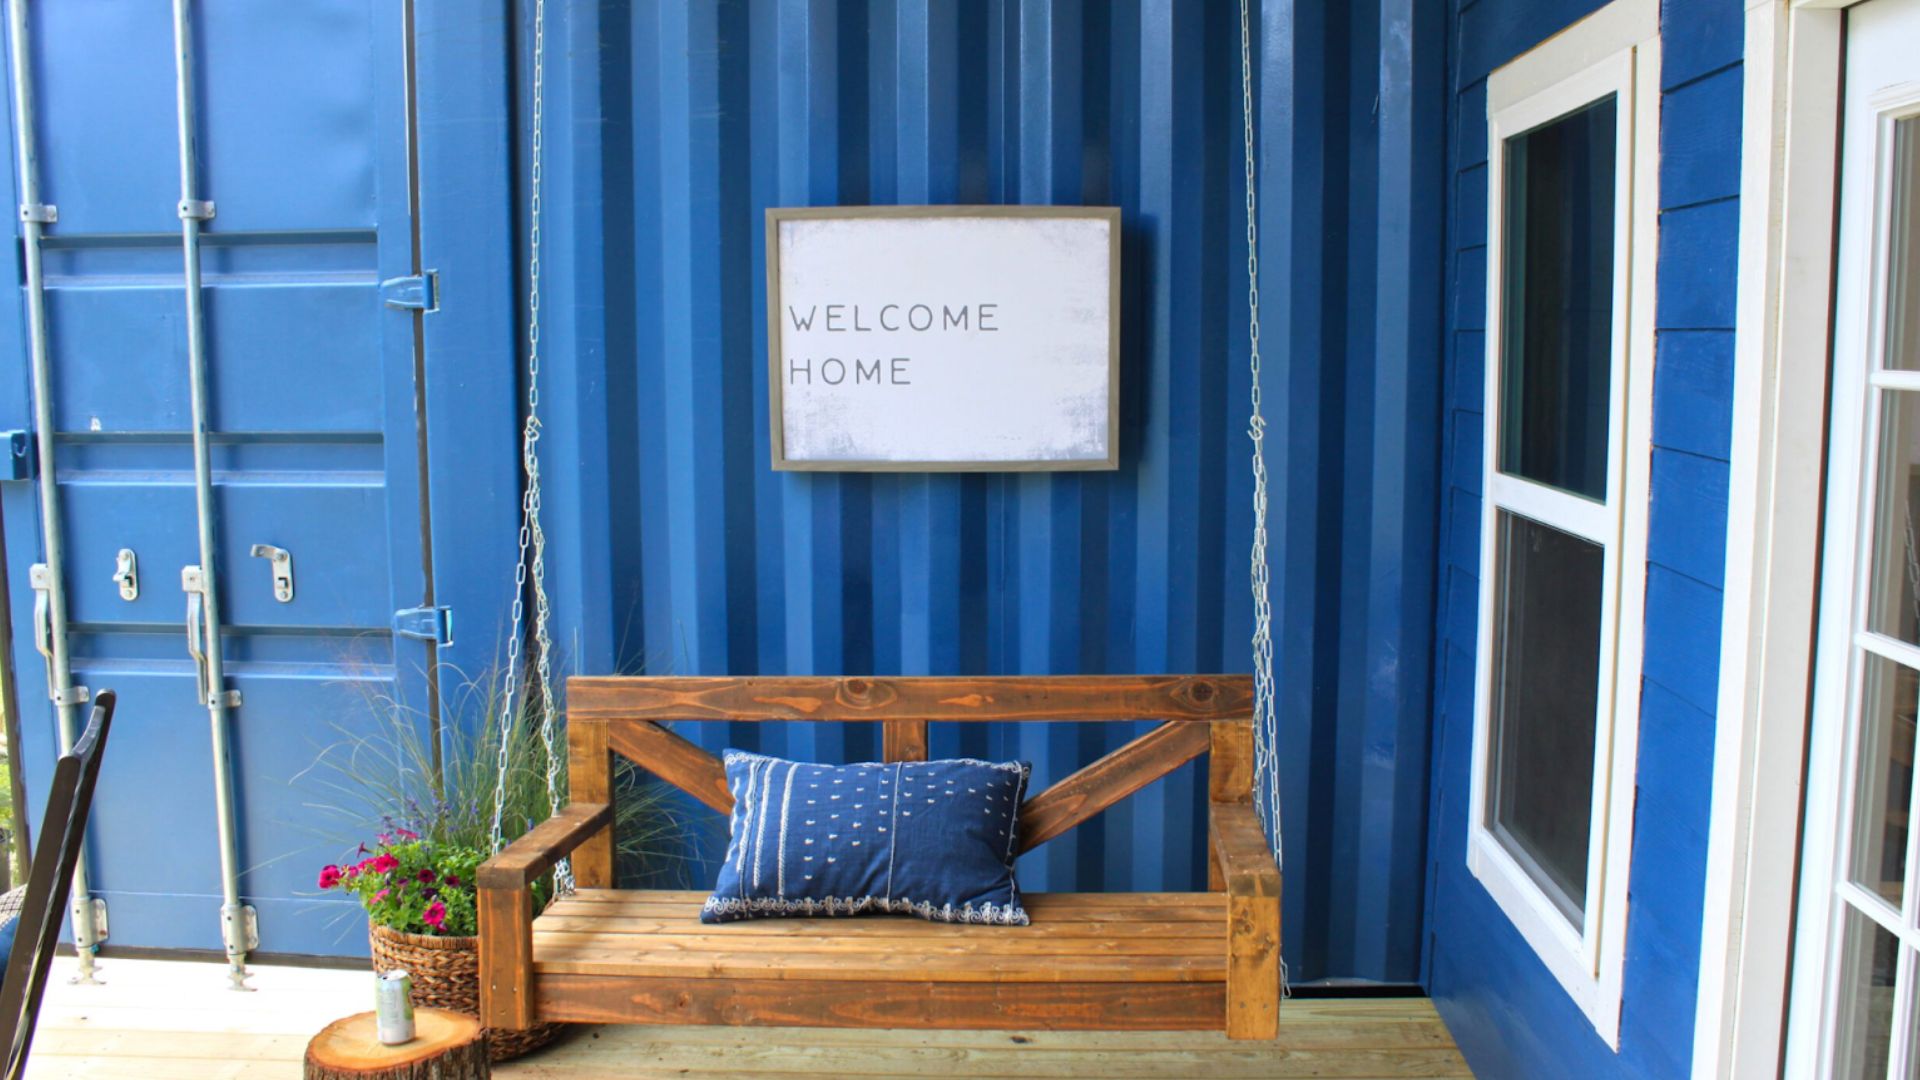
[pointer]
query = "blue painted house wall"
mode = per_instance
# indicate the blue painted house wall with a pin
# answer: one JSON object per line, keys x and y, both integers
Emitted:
{"x": 1509, "y": 1015}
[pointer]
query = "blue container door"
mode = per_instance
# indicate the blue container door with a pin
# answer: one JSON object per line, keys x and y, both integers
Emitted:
{"x": 304, "y": 139}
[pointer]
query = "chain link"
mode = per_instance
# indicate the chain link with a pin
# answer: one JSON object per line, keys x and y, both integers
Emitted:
{"x": 532, "y": 539}
{"x": 1266, "y": 784}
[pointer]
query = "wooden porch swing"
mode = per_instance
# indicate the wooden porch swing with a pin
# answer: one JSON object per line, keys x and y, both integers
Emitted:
{"x": 1152, "y": 961}
{"x": 1208, "y": 960}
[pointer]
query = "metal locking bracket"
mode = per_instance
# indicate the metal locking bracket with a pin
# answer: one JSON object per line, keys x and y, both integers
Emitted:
{"x": 126, "y": 574}
{"x": 282, "y": 560}
{"x": 99, "y": 906}
{"x": 40, "y": 577}
{"x": 248, "y": 926}
{"x": 194, "y": 584}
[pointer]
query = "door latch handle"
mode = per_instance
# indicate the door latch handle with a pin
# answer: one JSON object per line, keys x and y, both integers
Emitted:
{"x": 41, "y": 580}
{"x": 40, "y": 577}
{"x": 194, "y": 584}
{"x": 282, "y": 561}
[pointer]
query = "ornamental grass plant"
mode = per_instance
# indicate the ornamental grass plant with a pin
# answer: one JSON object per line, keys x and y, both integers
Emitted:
{"x": 402, "y": 804}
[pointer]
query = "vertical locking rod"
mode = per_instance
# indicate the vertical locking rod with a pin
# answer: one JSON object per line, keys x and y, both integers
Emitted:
{"x": 34, "y": 217}
{"x": 234, "y": 918}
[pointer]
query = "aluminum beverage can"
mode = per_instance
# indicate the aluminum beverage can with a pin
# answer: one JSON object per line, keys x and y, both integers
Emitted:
{"x": 393, "y": 1008}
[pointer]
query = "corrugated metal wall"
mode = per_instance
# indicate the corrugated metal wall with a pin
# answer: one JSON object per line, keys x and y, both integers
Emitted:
{"x": 676, "y": 549}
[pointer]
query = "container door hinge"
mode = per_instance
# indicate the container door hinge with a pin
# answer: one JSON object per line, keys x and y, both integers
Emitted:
{"x": 433, "y": 624}
{"x": 415, "y": 292}
{"x": 22, "y": 459}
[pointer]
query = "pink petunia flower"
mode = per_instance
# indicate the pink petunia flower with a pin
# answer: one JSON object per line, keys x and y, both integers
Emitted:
{"x": 383, "y": 862}
{"x": 436, "y": 915}
{"x": 330, "y": 876}
{"x": 426, "y": 875}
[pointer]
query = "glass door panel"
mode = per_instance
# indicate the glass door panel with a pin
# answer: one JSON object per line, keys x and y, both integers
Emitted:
{"x": 1855, "y": 1005}
{"x": 1884, "y": 778}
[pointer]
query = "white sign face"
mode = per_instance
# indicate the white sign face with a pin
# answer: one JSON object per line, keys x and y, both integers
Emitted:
{"x": 943, "y": 338}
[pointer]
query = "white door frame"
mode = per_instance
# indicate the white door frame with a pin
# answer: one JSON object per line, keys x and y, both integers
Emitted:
{"x": 1789, "y": 149}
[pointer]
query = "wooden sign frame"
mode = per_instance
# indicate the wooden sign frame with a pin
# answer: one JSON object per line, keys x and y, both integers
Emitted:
{"x": 776, "y": 407}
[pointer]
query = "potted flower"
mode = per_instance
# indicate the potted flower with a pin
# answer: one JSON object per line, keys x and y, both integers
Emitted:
{"x": 428, "y": 797}
{"x": 419, "y": 897}
{"x": 411, "y": 886}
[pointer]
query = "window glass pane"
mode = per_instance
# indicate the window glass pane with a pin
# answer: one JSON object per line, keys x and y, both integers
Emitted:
{"x": 1557, "y": 304}
{"x": 1869, "y": 963}
{"x": 1546, "y": 686}
{"x": 1903, "y": 249}
{"x": 1893, "y": 596}
{"x": 1885, "y": 778}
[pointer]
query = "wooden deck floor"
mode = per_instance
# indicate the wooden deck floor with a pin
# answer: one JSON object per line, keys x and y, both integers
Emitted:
{"x": 174, "y": 1020}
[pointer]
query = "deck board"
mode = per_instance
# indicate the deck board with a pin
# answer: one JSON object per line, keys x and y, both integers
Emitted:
{"x": 176, "y": 1019}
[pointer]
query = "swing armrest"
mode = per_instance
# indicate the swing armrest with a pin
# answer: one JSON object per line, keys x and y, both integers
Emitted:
{"x": 545, "y": 844}
{"x": 1241, "y": 853}
{"x": 506, "y": 910}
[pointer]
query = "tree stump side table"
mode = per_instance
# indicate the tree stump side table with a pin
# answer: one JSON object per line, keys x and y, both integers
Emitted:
{"x": 446, "y": 1046}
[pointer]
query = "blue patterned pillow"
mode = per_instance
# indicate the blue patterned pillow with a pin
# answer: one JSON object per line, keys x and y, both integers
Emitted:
{"x": 927, "y": 838}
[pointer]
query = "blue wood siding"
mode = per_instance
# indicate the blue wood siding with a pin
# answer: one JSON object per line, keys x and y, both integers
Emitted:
{"x": 676, "y": 549}
{"x": 1511, "y": 1018}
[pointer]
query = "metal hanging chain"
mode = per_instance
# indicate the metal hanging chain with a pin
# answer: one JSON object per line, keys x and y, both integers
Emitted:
{"x": 1266, "y": 782}
{"x": 1266, "y": 760}
{"x": 532, "y": 540}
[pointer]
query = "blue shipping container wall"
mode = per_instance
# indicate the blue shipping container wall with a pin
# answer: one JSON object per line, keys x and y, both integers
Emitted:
{"x": 303, "y": 139}
{"x": 676, "y": 548}
{"x": 1507, "y": 1012}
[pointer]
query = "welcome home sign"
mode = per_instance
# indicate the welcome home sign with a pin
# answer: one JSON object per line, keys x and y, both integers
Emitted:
{"x": 944, "y": 338}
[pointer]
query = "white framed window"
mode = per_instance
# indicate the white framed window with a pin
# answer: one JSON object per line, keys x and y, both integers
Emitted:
{"x": 1573, "y": 138}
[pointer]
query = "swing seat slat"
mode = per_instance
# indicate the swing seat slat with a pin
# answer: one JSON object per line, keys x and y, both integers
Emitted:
{"x": 1121, "y": 961}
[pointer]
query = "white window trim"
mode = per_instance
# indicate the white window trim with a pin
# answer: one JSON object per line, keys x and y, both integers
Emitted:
{"x": 1789, "y": 142}
{"x": 1615, "y": 51}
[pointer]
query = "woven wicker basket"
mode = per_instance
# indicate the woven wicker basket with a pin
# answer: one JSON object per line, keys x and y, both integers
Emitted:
{"x": 446, "y": 975}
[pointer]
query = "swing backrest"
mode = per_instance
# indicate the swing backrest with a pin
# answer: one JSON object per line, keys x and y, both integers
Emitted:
{"x": 1197, "y": 714}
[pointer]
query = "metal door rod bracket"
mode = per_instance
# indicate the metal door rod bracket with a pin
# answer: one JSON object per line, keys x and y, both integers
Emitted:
{"x": 43, "y": 213}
